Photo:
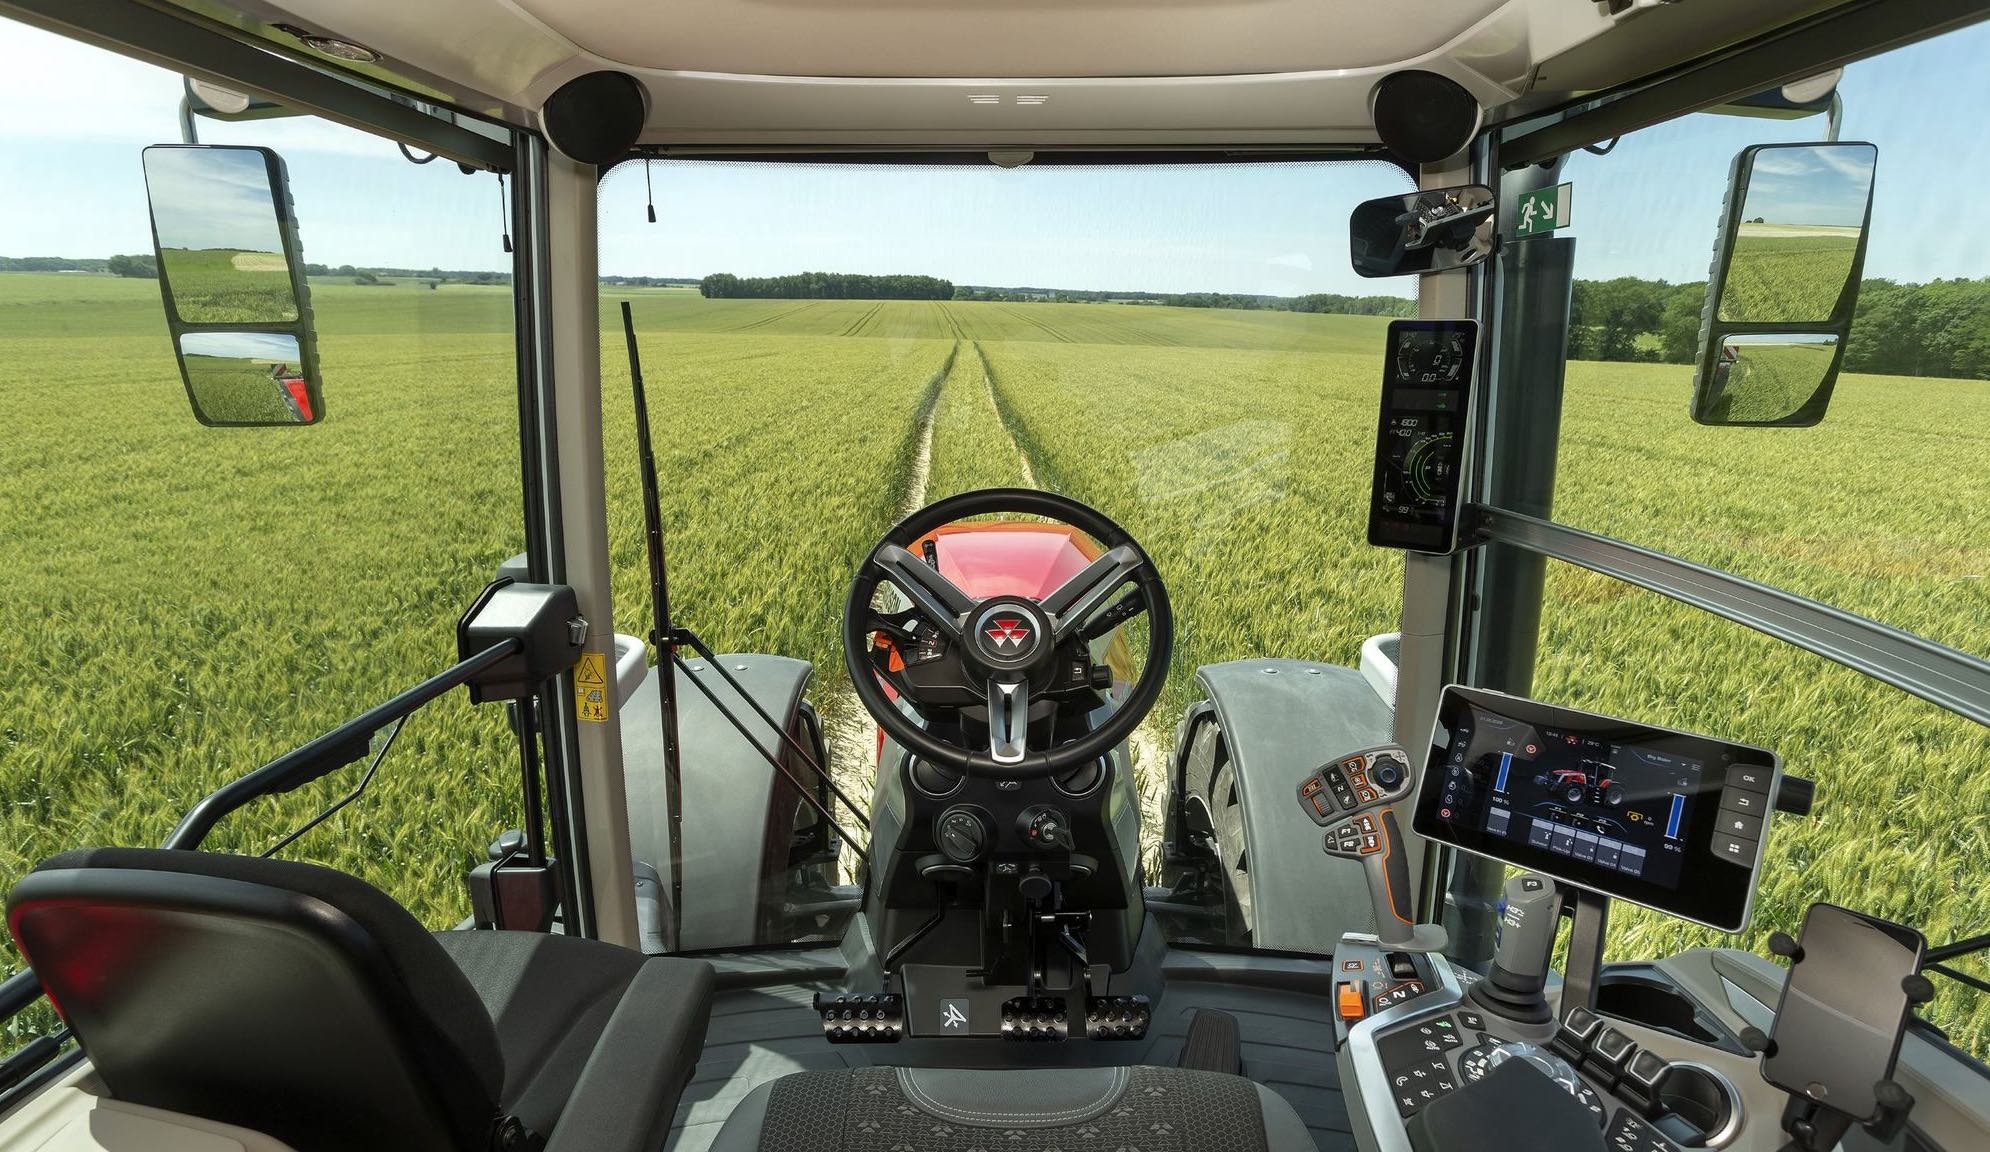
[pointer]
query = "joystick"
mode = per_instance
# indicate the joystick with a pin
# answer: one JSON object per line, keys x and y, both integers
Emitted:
{"x": 1354, "y": 798}
{"x": 1529, "y": 915}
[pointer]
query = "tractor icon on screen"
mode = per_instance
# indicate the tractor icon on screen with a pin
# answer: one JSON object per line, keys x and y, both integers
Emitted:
{"x": 1590, "y": 783}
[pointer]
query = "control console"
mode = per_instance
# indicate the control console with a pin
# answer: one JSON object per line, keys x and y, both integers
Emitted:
{"x": 1408, "y": 1061}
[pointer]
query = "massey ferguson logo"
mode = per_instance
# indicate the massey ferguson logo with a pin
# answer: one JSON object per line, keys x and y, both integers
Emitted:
{"x": 1008, "y": 633}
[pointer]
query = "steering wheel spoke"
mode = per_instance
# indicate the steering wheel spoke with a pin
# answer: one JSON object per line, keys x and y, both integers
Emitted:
{"x": 938, "y": 599}
{"x": 1008, "y": 719}
{"x": 1077, "y": 598}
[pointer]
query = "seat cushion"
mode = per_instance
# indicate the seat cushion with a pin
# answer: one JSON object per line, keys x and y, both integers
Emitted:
{"x": 552, "y": 997}
{"x": 1025, "y": 1110}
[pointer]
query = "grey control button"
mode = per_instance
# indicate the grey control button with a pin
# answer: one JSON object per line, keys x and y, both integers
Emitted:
{"x": 1582, "y": 1022}
{"x": 1746, "y": 803}
{"x": 1748, "y": 778}
{"x": 1738, "y": 825}
{"x": 1734, "y": 848}
{"x": 1647, "y": 1068}
{"x": 1585, "y": 846}
{"x": 1613, "y": 1047}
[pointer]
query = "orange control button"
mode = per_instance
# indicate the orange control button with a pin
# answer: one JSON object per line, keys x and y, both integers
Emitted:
{"x": 1351, "y": 1005}
{"x": 1311, "y": 786}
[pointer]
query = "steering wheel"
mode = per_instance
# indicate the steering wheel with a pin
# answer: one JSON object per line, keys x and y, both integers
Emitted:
{"x": 949, "y": 650}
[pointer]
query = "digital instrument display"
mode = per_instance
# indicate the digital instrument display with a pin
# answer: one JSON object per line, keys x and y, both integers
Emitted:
{"x": 1426, "y": 385}
{"x": 1666, "y": 819}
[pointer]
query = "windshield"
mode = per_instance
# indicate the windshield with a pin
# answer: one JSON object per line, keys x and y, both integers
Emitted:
{"x": 831, "y": 347}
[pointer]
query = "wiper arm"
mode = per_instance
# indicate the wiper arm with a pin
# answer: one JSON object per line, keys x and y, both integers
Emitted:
{"x": 1936, "y": 960}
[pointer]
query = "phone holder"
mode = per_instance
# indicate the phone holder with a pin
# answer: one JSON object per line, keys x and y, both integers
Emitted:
{"x": 1815, "y": 1126}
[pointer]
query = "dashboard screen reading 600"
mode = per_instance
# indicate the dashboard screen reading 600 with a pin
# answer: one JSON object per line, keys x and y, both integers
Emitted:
{"x": 1662, "y": 818}
{"x": 1426, "y": 382}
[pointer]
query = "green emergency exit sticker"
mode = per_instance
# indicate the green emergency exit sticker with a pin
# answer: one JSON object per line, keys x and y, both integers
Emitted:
{"x": 1542, "y": 211}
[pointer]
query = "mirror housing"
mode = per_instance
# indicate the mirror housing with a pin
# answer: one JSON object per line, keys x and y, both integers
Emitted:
{"x": 213, "y": 102}
{"x": 231, "y": 271}
{"x": 1422, "y": 232}
{"x": 1784, "y": 284}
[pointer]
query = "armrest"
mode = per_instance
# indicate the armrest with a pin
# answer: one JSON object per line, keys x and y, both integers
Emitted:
{"x": 1514, "y": 1107}
{"x": 627, "y": 1092}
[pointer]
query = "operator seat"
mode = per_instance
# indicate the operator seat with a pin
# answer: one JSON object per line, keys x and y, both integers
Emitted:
{"x": 306, "y": 1004}
{"x": 875, "y": 1109}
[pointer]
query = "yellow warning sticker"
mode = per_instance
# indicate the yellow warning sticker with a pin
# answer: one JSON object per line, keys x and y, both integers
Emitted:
{"x": 591, "y": 687}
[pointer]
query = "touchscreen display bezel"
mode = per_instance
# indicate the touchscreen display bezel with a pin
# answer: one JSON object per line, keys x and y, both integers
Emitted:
{"x": 1711, "y": 890}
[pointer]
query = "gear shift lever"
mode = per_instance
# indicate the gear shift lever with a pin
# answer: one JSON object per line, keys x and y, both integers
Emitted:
{"x": 1530, "y": 913}
{"x": 1354, "y": 798}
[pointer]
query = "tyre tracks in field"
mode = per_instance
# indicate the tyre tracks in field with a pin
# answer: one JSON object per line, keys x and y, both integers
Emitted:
{"x": 851, "y": 732}
{"x": 848, "y": 730}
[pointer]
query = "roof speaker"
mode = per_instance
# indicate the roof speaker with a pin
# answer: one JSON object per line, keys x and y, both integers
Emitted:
{"x": 596, "y": 118}
{"x": 1423, "y": 117}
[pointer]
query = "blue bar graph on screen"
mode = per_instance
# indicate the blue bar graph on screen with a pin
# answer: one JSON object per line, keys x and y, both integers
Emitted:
{"x": 1505, "y": 763}
{"x": 1672, "y": 822}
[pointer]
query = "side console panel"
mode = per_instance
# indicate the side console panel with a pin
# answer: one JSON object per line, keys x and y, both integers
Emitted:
{"x": 1264, "y": 725}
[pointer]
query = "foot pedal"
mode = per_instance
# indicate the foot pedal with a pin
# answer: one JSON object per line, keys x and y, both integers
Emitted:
{"x": 1213, "y": 1044}
{"x": 875, "y": 1019}
{"x": 1042, "y": 1020}
{"x": 1117, "y": 1017}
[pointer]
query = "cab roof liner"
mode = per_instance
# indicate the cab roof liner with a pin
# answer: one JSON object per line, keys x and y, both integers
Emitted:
{"x": 1153, "y": 74}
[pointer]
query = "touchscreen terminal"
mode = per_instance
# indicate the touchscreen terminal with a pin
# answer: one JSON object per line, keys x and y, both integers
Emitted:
{"x": 1666, "y": 819}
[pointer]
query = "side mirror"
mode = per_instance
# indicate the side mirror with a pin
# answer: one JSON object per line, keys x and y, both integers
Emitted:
{"x": 1784, "y": 284}
{"x": 1422, "y": 232}
{"x": 237, "y": 303}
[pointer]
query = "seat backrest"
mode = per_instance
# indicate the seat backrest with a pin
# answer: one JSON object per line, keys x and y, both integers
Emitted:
{"x": 282, "y": 997}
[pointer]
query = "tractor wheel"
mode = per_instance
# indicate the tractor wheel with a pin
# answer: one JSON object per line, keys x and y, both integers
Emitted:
{"x": 1573, "y": 793}
{"x": 1614, "y": 797}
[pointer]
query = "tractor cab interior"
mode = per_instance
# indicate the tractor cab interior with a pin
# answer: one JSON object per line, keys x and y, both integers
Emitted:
{"x": 918, "y": 815}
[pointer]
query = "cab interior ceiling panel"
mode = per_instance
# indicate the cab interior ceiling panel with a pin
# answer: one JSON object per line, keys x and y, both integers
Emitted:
{"x": 1087, "y": 73}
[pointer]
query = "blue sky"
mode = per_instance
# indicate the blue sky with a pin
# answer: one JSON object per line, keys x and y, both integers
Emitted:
{"x": 1810, "y": 185}
{"x": 71, "y": 185}
{"x": 213, "y": 199}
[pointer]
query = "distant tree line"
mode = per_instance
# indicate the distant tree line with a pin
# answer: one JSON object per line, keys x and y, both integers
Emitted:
{"x": 51, "y": 264}
{"x": 650, "y": 281}
{"x": 824, "y": 286}
{"x": 1317, "y": 302}
{"x": 1941, "y": 328}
